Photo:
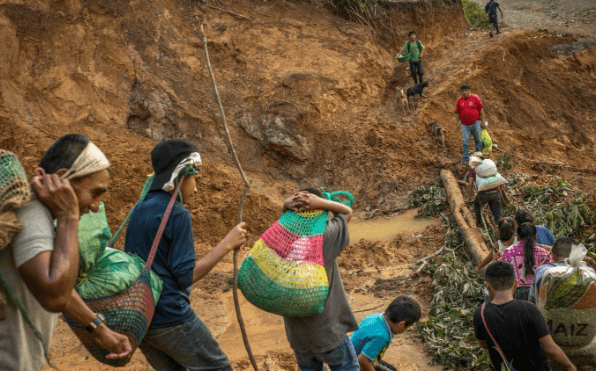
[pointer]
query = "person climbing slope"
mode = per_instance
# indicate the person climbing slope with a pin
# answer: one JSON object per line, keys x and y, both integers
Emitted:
{"x": 525, "y": 257}
{"x": 514, "y": 331}
{"x": 416, "y": 50}
{"x": 469, "y": 111}
{"x": 41, "y": 263}
{"x": 322, "y": 337}
{"x": 376, "y": 331}
{"x": 177, "y": 339}
{"x": 491, "y": 8}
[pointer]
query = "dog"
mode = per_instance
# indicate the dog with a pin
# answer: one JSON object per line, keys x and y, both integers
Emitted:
{"x": 438, "y": 131}
{"x": 415, "y": 90}
{"x": 404, "y": 100}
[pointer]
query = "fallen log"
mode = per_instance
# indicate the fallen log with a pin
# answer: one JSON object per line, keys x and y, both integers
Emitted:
{"x": 464, "y": 218}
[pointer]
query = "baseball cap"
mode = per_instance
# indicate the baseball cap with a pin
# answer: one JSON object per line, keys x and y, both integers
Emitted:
{"x": 165, "y": 156}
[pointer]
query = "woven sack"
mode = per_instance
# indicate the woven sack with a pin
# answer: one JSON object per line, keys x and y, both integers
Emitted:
{"x": 284, "y": 272}
{"x": 104, "y": 271}
{"x": 486, "y": 168}
{"x": 485, "y": 184}
{"x": 14, "y": 193}
{"x": 486, "y": 141}
{"x": 567, "y": 300}
{"x": 129, "y": 312}
{"x": 403, "y": 58}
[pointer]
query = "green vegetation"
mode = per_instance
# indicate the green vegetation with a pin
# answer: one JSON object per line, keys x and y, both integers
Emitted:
{"x": 475, "y": 14}
{"x": 449, "y": 331}
{"x": 559, "y": 208}
{"x": 431, "y": 200}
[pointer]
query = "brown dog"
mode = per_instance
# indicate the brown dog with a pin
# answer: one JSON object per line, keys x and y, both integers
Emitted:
{"x": 438, "y": 131}
{"x": 404, "y": 100}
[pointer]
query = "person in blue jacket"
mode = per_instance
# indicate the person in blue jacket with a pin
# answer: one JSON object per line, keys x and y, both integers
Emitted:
{"x": 177, "y": 339}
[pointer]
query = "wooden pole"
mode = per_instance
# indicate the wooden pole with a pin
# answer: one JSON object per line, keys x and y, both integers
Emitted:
{"x": 240, "y": 206}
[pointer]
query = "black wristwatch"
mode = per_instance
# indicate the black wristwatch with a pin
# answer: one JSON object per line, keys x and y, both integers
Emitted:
{"x": 96, "y": 322}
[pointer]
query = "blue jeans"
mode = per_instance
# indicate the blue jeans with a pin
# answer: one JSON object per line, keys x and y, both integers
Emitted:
{"x": 466, "y": 130}
{"x": 342, "y": 358}
{"x": 189, "y": 346}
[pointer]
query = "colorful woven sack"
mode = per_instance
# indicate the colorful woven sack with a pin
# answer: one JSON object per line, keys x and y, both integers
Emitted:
{"x": 284, "y": 272}
{"x": 129, "y": 312}
{"x": 567, "y": 300}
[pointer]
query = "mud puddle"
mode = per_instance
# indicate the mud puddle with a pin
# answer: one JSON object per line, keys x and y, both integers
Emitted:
{"x": 385, "y": 229}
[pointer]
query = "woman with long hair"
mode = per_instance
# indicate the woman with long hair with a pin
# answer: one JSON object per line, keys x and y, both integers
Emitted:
{"x": 525, "y": 257}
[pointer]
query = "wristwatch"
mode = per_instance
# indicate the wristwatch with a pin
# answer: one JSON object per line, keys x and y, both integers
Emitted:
{"x": 96, "y": 322}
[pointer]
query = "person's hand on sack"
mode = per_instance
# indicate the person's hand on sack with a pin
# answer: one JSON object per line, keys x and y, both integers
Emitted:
{"x": 236, "y": 237}
{"x": 57, "y": 195}
{"x": 311, "y": 202}
{"x": 294, "y": 202}
{"x": 118, "y": 344}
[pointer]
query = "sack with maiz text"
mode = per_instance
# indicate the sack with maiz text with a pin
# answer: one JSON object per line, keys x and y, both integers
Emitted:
{"x": 567, "y": 300}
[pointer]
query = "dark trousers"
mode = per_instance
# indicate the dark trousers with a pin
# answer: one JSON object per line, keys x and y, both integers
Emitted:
{"x": 495, "y": 23}
{"x": 416, "y": 69}
{"x": 493, "y": 199}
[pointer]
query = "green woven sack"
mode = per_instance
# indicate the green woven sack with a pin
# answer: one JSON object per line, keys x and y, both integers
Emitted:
{"x": 403, "y": 58}
{"x": 105, "y": 271}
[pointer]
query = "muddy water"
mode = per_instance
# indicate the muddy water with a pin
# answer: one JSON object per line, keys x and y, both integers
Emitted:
{"x": 385, "y": 229}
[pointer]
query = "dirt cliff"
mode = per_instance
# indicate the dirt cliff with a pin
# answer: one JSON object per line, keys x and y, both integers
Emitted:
{"x": 311, "y": 100}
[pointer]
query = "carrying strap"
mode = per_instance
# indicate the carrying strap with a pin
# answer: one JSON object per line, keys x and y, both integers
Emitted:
{"x": 162, "y": 225}
{"x": 417, "y": 43}
{"x": 333, "y": 197}
{"x": 144, "y": 192}
{"x": 491, "y": 336}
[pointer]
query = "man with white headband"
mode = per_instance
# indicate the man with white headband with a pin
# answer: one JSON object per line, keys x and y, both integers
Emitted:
{"x": 42, "y": 261}
{"x": 177, "y": 339}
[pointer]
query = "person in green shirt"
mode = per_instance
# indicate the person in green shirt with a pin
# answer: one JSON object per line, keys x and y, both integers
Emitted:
{"x": 416, "y": 50}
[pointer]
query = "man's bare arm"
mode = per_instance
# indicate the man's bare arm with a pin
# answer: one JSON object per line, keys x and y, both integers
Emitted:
{"x": 51, "y": 275}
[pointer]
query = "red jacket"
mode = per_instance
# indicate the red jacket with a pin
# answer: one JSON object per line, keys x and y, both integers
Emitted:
{"x": 469, "y": 109}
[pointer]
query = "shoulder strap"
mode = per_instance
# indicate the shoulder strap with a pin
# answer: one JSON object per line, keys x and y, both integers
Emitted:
{"x": 419, "y": 45}
{"x": 144, "y": 192}
{"x": 162, "y": 225}
{"x": 409, "y": 43}
{"x": 491, "y": 336}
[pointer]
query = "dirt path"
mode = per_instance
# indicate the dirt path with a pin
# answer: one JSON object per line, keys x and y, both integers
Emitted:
{"x": 563, "y": 16}
{"x": 373, "y": 286}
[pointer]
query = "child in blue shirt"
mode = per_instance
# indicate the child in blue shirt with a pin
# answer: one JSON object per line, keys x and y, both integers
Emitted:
{"x": 376, "y": 331}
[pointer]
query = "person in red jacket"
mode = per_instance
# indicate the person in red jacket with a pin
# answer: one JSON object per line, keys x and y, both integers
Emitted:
{"x": 469, "y": 112}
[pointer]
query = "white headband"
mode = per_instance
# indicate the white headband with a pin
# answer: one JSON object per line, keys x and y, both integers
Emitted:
{"x": 90, "y": 161}
{"x": 194, "y": 159}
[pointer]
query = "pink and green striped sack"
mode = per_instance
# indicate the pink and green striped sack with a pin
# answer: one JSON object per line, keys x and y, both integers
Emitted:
{"x": 284, "y": 273}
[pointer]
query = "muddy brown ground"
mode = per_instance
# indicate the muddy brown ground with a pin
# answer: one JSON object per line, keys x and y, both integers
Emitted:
{"x": 311, "y": 100}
